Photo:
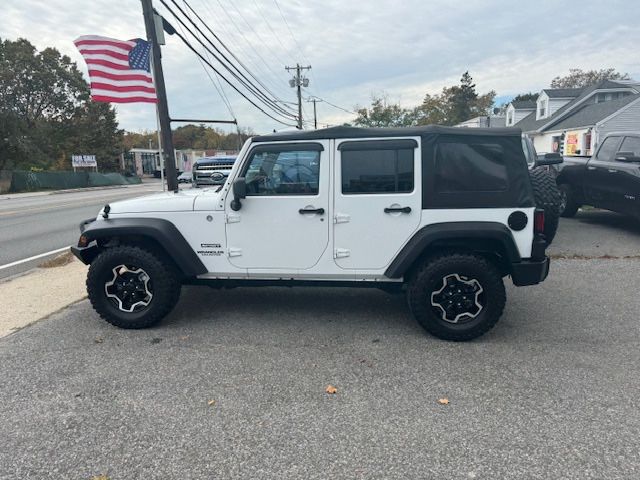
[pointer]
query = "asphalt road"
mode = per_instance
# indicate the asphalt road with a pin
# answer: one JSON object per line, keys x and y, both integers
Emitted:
{"x": 34, "y": 224}
{"x": 553, "y": 391}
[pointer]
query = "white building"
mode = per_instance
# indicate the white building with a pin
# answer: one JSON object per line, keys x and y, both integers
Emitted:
{"x": 572, "y": 121}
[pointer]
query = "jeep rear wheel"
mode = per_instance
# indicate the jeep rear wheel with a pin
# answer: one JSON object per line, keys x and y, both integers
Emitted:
{"x": 131, "y": 288}
{"x": 457, "y": 296}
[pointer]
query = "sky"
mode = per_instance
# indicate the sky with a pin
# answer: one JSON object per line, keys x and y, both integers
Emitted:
{"x": 403, "y": 50}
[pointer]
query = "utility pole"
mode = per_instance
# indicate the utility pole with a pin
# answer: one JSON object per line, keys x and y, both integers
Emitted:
{"x": 298, "y": 81}
{"x": 315, "y": 116}
{"x": 163, "y": 109}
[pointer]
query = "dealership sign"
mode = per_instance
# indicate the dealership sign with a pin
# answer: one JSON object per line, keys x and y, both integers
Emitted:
{"x": 83, "y": 161}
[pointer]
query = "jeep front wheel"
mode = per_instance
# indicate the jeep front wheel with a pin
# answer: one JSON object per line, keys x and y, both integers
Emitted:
{"x": 457, "y": 296}
{"x": 131, "y": 288}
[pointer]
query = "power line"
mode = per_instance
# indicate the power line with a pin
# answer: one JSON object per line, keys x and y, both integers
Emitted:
{"x": 216, "y": 84}
{"x": 230, "y": 52}
{"x": 260, "y": 96}
{"x": 332, "y": 104}
{"x": 229, "y": 66}
{"x": 188, "y": 44}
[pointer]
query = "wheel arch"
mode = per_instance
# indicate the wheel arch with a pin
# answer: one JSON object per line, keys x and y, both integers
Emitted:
{"x": 157, "y": 235}
{"x": 492, "y": 240}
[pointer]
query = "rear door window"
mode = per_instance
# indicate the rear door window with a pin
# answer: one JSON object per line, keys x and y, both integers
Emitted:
{"x": 377, "y": 171}
{"x": 631, "y": 144}
{"x": 470, "y": 167}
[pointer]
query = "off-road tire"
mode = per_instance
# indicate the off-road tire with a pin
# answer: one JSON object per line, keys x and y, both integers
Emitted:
{"x": 547, "y": 197}
{"x": 429, "y": 277}
{"x": 166, "y": 286}
{"x": 571, "y": 206}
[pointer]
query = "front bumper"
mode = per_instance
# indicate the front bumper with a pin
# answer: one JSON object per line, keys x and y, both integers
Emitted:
{"x": 85, "y": 254}
{"x": 529, "y": 272}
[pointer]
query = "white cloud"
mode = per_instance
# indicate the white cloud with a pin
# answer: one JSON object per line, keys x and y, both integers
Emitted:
{"x": 404, "y": 48}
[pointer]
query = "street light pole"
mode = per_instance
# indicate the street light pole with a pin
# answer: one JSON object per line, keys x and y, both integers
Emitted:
{"x": 163, "y": 109}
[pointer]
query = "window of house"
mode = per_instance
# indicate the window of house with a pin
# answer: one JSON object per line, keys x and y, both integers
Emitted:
{"x": 543, "y": 109}
{"x": 470, "y": 167}
{"x": 509, "y": 118}
{"x": 288, "y": 172}
{"x": 377, "y": 171}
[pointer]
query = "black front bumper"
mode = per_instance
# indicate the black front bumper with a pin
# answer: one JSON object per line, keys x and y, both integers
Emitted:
{"x": 85, "y": 254}
{"x": 529, "y": 272}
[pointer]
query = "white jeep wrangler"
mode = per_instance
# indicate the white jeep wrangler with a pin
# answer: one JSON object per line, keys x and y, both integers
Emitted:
{"x": 441, "y": 213}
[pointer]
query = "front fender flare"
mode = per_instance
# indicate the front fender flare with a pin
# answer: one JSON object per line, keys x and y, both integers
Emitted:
{"x": 160, "y": 230}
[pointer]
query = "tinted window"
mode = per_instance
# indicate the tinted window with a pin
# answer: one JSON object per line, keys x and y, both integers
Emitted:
{"x": 377, "y": 171}
{"x": 608, "y": 148}
{"x": 631, "y": 144}
{"x": 470, "y": 167}
{"x": 283, "y": 173}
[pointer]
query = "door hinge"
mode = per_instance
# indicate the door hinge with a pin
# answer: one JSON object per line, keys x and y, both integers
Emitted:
{"x": 232, "y": 217}
{"x": 234, "y": 252}
{"x": 341, "y": 253}
{"x": 341, "y": 218}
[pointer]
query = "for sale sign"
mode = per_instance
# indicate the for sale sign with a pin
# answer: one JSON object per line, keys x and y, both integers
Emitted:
{"x": 83, "y": 161}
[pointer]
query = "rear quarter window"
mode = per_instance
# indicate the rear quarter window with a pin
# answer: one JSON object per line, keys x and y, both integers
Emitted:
{"x": 470, "y": 167}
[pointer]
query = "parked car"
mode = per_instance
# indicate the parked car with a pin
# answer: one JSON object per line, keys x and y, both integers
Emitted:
{"x": 212, "y": 170}
{"x": 185, "y": 177}
{"x": 443, "y": 214}
{"x": 609, "y": 180}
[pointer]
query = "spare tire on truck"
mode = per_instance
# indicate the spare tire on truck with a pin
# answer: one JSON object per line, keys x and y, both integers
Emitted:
{"x": 547, "y": 197}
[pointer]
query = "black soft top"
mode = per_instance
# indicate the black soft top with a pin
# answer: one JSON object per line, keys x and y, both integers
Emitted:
{"x": 356, "y": 132}
{"x": 518, "y": 192}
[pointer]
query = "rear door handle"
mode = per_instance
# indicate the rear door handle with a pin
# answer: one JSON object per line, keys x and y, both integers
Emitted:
{"x": 613, "y": 170}
{"x": 591, "y": 168}
{"x": 311, "y": 211}
{"x": 397, "y": 209}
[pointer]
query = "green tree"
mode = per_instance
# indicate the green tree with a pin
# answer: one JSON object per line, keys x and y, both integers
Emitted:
{"x": 383, "y": 114}
{"x": 45, "y": 111}
{"x": 454, "y": 105}
{"x": 580, "y": 78}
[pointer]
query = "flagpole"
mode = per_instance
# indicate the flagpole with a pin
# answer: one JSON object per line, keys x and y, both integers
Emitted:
{"x": 158, "y": 132}
{"x": 160, "y": 149}
{"x": 163, "y": 110}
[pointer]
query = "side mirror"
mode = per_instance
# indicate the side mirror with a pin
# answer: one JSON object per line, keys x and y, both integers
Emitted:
{"x": 549, "y": 159}
{"x": 239, "y": 192}
{"x": 627, "y": 157}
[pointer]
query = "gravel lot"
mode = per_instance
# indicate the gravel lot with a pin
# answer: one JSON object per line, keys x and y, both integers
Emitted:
{"x": 552, "y": 392}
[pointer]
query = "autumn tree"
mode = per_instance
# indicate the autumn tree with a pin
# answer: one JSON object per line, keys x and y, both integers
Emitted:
{"x": 454, "y": 104}
{"x": 578, "y": 78}
{"x": 381, "y": 113}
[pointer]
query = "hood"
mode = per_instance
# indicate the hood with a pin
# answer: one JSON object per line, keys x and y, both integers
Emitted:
{"x": 159, "y": 202}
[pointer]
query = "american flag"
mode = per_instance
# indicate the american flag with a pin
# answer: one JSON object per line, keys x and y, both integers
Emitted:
{"x": 118, "y": 70}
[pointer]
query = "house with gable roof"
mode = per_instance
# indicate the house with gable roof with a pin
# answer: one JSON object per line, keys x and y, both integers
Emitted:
{"x": 571, "y": 121}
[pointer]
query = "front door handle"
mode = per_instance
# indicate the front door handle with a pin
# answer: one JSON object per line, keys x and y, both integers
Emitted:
{"x": 613, "y": 170}
{"x": 311, "y": 211}
{"x": 397, "y": 209}
{"x": 591, "y": 168}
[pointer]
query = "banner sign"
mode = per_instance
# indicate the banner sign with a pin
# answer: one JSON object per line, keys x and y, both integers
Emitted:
{"x": 83, "y": 161}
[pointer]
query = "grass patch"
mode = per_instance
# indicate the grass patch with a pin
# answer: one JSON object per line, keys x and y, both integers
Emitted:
{"x": 59, "y": 261}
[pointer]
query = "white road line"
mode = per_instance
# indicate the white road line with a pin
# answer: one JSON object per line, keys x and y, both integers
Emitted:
{"x": 35, "y": 257}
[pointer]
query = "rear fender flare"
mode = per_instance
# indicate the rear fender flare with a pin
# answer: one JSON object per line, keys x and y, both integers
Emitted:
{"x": 456, "y": 234}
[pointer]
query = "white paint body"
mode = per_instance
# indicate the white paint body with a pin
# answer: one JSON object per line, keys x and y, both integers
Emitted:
{"x": 354, "y": 240}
